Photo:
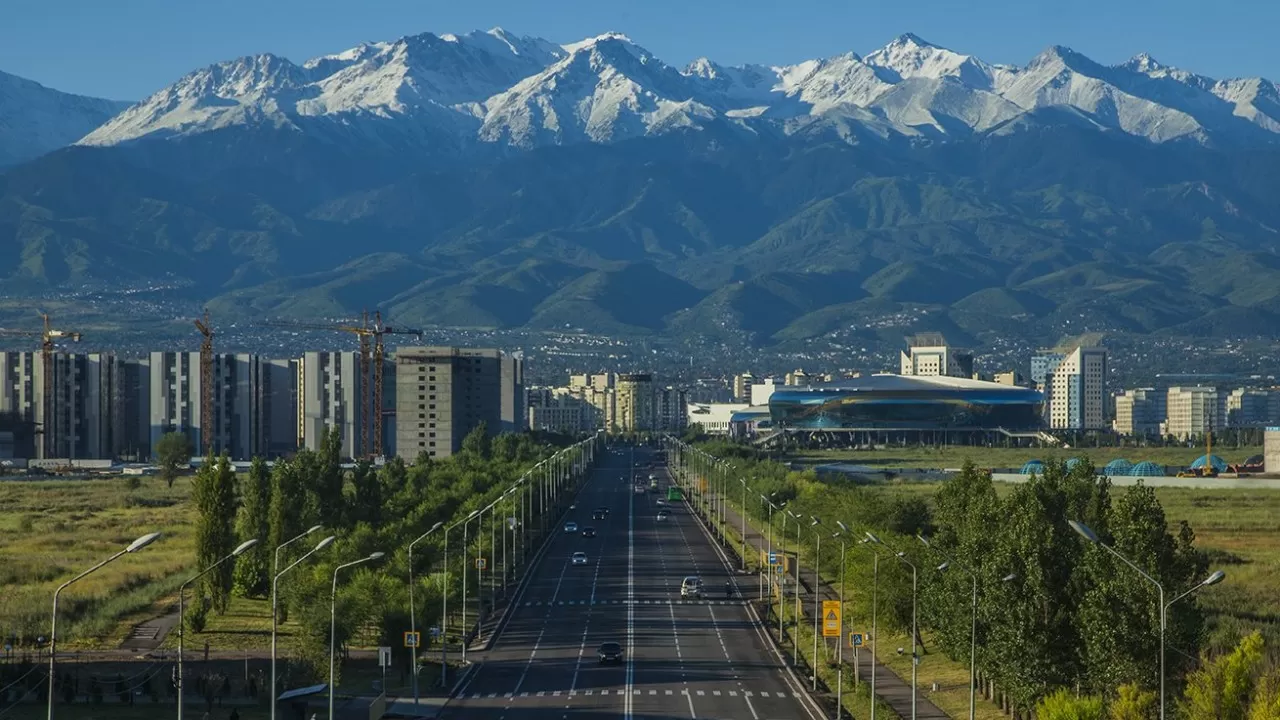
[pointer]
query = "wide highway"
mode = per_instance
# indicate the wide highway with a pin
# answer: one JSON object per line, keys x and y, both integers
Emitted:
{"x": 683, "y": 658}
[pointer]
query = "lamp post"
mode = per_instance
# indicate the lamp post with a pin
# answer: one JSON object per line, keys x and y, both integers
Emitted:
{"x": 413, "y": 610}
{"x": 973, "y": 624}
{"x": 132, "y": 547}
{"x": 333, "y": 619}
{"x": 444, "y": 607}
{"x": 817, "y": 613}
{"x": 182, "y": 613}
{"x": 840, "y": 535}
{"x": 275, "y": 585}
{"x": 275, "y": 571}
{"x": 1088, "y": 534}
{"x": 743, "y": 510}
{"x": 915, "y": 658}
{"x": 875, "y": 601}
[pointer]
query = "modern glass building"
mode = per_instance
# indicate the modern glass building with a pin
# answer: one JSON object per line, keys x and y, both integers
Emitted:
{"x": 898, "y": 402}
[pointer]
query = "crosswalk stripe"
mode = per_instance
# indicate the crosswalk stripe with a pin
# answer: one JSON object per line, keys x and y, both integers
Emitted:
{"x": 668, "y": 692}
{"x": 524, "y": 694}
{"x": 555, "y": 693}
{"x": 764, "y": 694}
{"x": 604, "y": 692}
{"x": 733, "y": 693}
{"x": 653, "y": 692}
{"x": 507, "y": 695}
{"x": 493, "y": 695}
{"x": 701, "y": 693}
{"x": 747, "y": 694}
{"x": 589, "y": 692}
{"x": 716, "y": 693}
{"x": 637, "y": 692}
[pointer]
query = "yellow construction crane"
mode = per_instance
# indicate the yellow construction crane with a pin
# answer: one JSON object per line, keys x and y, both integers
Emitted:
{"x": 206, "y": 382}
{"x": 48, "y": 337}
{"x": 370, "y": 335}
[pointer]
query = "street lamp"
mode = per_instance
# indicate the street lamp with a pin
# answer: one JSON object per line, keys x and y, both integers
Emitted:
{"x": 182, "y": 613}
{"x": 275, "y": 586}
{"x": 333, "y": 619}
{"x": 133, "y": 547}
{"x": 875, "y": 600}
{"x": 444, "y": 608}
{"x": 840, "y": 535}
{"x": 915, "y": 658}
{"x": 413, "y": 610}
{"x": 817, "y": 555}
{"x": 1087, "y": 533}
{"x": 973, "y": 624}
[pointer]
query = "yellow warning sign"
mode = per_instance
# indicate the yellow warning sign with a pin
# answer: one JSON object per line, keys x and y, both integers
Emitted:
{"x": 830, "y": 618}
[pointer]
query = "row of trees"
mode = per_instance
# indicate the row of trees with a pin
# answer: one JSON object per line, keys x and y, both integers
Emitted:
{"x": 1054, "y": 611}
{"x": 369, "y": 509}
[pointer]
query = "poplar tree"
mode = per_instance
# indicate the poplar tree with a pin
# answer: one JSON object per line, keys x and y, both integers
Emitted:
{"x": 253, "y": 522}
{"x": 214, "y": 497}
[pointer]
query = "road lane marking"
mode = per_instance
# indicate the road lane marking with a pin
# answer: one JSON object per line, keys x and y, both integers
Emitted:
{"x": 631, "y": 594}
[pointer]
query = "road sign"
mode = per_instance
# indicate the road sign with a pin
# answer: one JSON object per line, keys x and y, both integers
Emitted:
{"x": 434, "y": 631}
{"x": 481, "y": 564}
{"x": 413, "y": 639}
{"x": 384, "y": 657}
{"x": 773, "y": 558}
{"x": 855, "y": 639}
{"x": 830, "y": 618}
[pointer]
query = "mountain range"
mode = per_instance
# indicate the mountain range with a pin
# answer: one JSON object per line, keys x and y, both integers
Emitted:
{"x": 501, "y": 181}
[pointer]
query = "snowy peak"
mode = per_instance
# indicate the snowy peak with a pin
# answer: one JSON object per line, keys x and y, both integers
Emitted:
{"x": 35, "y": 119}
{"x": 909, "y": 56}
{"x": 607, "y": 88}
{"x": 498, "y": 87}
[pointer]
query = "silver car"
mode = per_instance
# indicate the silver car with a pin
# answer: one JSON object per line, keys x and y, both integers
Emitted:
{"x": 579, "y": 558}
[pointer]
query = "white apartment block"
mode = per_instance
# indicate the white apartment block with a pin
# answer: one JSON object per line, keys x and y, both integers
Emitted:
{"x": 1248, "y": 407}
{"x": 1139, "y": 411}
{"x": 176, "y": 400}
{"x": 929, "y": 355}
{"x": 1192, "y": 412}
{"x": 330, "y": 390}
{"x": 1076, "y": 391}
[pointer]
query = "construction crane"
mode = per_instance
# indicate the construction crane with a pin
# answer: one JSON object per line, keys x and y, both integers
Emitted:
{"x": 372, "y": 349}
{"x": 47, "y": 336}
{"x": 206, "y": 382}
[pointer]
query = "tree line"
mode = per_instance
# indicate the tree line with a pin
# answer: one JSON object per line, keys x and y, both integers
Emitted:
{"x": 1056, "y": 614}
{"x": 369, "y": 509}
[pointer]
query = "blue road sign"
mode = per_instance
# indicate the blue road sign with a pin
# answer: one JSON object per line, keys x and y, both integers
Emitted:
{"x": 773, "y": 558}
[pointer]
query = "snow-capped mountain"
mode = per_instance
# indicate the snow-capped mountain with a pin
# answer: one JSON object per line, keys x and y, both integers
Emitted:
{"x": 35, "y": 119}
{"x": 494, "y": 88}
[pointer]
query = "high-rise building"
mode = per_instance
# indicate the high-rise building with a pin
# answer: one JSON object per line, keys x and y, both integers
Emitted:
{"x": 561, "y": 412}
{"x": 1076, "y": 390}
{"x": 1192, "y": 411}
{"x": 1043, "y": 364}
{"x": 1247, "y": 407}
{"x": 330, "y": 394}
{"x": 443, "y": 393}
{"x": 1139, "y": 411}
{"x": 762, "y": 391}
{"x": 176, "y": 400}
{"x": 928, "y": 354}
{"x": 742, "y": 386}
{"x": 671, "y": 409}
{"x": 280, "y": 420}
{"x": 634, "y": 411}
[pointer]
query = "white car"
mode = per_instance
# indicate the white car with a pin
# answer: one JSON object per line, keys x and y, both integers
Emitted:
{"x": 660, "y": 501}
{"x": 579, "y": 558}
{"x": 571, "y": 527}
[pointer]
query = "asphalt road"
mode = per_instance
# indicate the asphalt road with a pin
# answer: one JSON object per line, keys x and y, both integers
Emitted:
{"x": 684, "y": 658}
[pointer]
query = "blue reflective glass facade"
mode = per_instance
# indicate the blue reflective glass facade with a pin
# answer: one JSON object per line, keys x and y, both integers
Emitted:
{"x": 906, "y": 406}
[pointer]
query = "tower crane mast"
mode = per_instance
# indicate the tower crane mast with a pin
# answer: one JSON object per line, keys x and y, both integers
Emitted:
{"x": 48, "y": 337}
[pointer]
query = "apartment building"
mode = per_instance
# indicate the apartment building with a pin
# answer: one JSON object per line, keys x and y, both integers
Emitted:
{"x": 443, "y": 393}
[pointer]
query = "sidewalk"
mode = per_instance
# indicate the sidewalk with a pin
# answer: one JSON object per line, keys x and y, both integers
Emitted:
{"x": 891, "y": 688}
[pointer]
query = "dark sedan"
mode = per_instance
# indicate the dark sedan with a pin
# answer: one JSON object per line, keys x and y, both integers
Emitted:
{"x": 588, "y": 532}
{"x": 610, "y": 652}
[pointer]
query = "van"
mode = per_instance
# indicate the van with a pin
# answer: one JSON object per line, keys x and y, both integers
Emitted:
{"x": 691, "y": 587}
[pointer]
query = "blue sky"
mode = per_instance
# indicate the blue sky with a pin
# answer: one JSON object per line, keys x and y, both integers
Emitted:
{"x": 130, "y": 48}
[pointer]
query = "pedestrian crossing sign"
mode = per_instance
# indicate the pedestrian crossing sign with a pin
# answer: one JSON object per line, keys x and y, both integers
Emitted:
{"x": 831, "y": 618}
{"x": 855, "y": 639}
{"x": 481, "y": 563}
{"x": 411, "y": 639}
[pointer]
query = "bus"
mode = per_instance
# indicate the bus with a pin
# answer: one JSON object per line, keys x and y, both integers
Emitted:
{"x": 674, "y": 494}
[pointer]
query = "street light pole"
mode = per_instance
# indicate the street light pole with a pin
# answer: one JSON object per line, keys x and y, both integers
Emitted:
{"x": 275, "y": 586}
{"x": 875, "y": 602}
{"x": 413, "y": 611}
{"x": 817, "y": 613}
{"x": 133, "y": 547}
{"x": 182, "y": 611}
{"x": 333, "y": 620}
{"x": 444, "y": 608}
{"x": 1088, "y": 534}
{"x": 841, "y": 534}
{"x": 275, "y": 573}
{"x": 915, "y": 658}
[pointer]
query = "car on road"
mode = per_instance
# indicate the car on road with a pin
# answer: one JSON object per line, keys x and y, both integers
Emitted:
{"x": 600, "y": 514}
{"x": 662, "y": 514}
{"x": 588, "y": 532}
{"x": 660, "y": 501}
{"x": 578, "y": 558}
{"x": 610, "y": 652}
{"x": 571, "y": 527}
{"x": 691, "y": 586}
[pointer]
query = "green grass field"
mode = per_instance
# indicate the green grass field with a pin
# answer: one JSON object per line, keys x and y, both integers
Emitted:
{"x": 52, "y": 530}
{"x": 954, "y": 456}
